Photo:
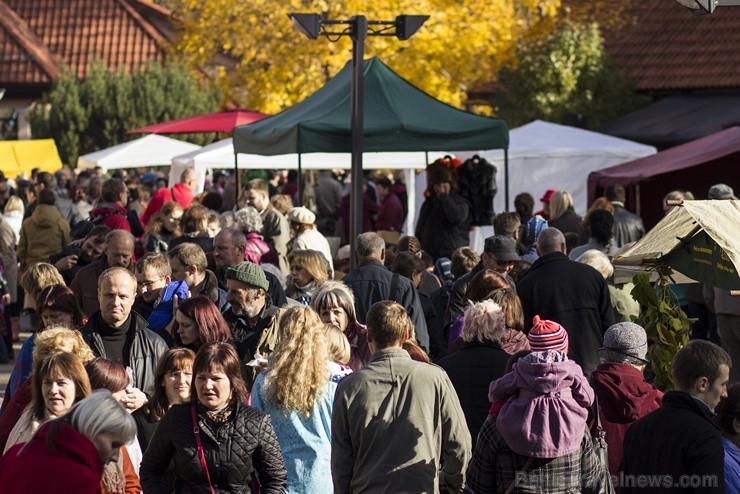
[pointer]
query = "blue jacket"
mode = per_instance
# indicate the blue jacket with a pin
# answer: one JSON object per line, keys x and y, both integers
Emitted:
{"x": 732, "y": 466}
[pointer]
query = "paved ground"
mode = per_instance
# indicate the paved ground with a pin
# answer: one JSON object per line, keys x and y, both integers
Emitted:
{"x": 5, "y": 369}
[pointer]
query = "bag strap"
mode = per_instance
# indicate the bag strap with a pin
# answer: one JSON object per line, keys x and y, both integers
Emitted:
{"x": 172, "y": 191}
{"x": 600, "y": 432}
{"x": 394, "y": 287}
{"x": 201, "y": 454}
{"x": 523, "y": 470}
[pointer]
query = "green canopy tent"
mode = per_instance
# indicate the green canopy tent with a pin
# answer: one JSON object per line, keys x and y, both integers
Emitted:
{"x": 398, "y": 116}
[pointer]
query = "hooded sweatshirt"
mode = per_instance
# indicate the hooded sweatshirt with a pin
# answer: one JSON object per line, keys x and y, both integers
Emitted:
{"x": 43, "y": 234}
{"x": 624, "y": 396}
{"x": 549, "y": 396}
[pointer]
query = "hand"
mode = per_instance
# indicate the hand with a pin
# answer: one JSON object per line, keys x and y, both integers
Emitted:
{"x": 134, "y": 399}
{"x": 441, "y": 189}
{"x": 76, "y": 243}
{"x": 66, "y": 262}
{"x": 6, "y": 299}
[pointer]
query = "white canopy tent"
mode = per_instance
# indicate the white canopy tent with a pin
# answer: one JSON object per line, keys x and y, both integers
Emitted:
{"x": 150, "y": 150}
{"x": 544, "y": 155}
{"x": 220, "y": 155}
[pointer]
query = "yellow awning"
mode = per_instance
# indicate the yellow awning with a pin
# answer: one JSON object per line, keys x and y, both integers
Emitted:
{"x": 18, "y": 157}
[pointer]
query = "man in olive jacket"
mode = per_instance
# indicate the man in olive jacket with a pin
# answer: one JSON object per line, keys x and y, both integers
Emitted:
{"x": 117, "y": 333}
{"x": 396, "y": 421}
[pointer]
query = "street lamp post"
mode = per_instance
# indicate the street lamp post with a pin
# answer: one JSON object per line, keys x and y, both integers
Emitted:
{"x": 313, "y": 26}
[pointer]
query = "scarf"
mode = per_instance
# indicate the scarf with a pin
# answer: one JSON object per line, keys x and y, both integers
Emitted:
{"x": 114, "y": 480}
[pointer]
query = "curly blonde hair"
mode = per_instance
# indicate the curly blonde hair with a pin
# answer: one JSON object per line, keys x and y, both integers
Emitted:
{"x": 59, "y": 338}
{"x": 299, "y": 367}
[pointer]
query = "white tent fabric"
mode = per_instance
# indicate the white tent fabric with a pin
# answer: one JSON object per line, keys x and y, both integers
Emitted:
{"x": 150, "y": 150}
{"x": 545, "y": 155}
{"x": 220, "y": 155}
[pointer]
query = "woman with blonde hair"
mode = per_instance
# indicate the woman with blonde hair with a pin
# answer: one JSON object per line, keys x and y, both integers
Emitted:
{"x": 13, "y": 214}
{"x": 308, "y": 269}
{"x": 562, "y": 213}
{"x": 162, "y": 227}
{"x": 298, "y": 393}
{"x": 58, "y": 382}
{"x": 52, "y": 340}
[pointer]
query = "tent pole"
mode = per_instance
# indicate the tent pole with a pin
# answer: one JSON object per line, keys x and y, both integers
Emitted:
{"x": 506, "y": 179}
{"x": 237, "y": 185}
{"x": 300, "y": 180}
{"x": 358, "y": 34}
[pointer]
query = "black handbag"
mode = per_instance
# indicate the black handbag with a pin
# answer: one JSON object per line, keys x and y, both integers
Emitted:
{"x": 602, "y": 450}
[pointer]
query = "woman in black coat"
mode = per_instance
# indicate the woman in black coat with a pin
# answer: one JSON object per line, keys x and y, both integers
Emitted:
{"x": 217, "y": 441}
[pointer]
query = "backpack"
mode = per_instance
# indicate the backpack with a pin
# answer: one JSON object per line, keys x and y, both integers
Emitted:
{"x": 82, "y": 228}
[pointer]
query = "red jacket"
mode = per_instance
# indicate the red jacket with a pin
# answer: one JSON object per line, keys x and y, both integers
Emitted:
{"x": 73, "y": 465}
{"x": 180, "y": 193}
{"x": 624, "y": 396}
{"x": 13, "y": 411}
{"x": 390, "y": 214}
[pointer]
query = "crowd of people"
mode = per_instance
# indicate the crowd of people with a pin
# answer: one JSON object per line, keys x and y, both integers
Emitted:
{"x": 187, "y": 342}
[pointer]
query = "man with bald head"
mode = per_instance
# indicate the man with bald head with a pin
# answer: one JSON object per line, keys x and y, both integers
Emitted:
{"x": 570, "y": 293}
{"x": 117, "y": 333}
{"x": 118, "y": 252}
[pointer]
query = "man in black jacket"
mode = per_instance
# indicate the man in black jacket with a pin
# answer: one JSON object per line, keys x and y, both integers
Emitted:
{"x": 628, "y": 227}
{"x": 573, "y": 294}
{"x": 678, "y": 447}
{"x": 117, "y": 333}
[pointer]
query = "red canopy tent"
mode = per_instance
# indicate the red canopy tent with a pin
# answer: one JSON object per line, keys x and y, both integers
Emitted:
{"x": 223, "y": 121}
{"x": 694, "y": 166}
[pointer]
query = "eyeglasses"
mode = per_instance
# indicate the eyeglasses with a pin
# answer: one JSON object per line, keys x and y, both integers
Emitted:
{"x": 148, "y": 284}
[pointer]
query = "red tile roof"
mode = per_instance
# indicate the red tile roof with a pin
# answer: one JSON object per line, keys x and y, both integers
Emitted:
{"x": 667, "y": 48}
{"x": 38, "y": 37}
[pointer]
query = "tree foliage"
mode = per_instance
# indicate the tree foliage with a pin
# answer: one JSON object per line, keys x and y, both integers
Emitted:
{"x": 463, "y": 44}
{"x": 566, "y": 71}
{"x": 85, "y": 116}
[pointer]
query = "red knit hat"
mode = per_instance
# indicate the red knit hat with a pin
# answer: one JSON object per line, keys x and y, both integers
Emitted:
{"x": 547, "y": 335}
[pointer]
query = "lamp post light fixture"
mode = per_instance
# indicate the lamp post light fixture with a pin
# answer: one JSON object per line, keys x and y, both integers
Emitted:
{"x": 700, "y": 7}
{"x": 358, "y": 29}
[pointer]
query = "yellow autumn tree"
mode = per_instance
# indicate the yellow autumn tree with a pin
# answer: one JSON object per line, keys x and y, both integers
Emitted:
{"x": 463, "y": 44}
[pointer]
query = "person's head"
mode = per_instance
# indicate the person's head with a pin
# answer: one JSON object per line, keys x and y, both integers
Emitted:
{"x": 114, "y": 190}
{"x": 334, "y": 302}
{"x": 484, "y": 321}
{"x": 464, "y": 259}
{"x": 256, "y": 194}
{"x": 550, "y": 240}
{"x": 47, "y": 197}
{"x": 199, "y": 321}
{"x": 601, "y": 226}
{"x": 597, "y": 260}
{"x": 14, "y": 203}
{"x": 57, "y": 306}
{"x": 675, "y": 197}
{"x": 188, "y": 263}
{"x": 524, "y": 205}
{"x": 119, "y": 248}
{"x": 409, "y": 243}
{"x": 409, "y": 266}
{"x": 483, "y": 284}
{"x": 532, "y": 229}
{"x": 599, "y": 203}
{"x": 282, "y": 202}
{"x": 547, "y": 335}
{"x": 248, "y": 220}
{"x": 507, "y": 224}
{"x": 370, "y": 246}
{"x": 545, "y": 201}
{"x": 228, "y": 247}
{"x": 171, "y": 215}
{"x": 101, "y": 419}
{"x": 388, "y": 325}
{"x": 615, "y": 193}
{"x": 625, "y": 343}
{"x": 509, "y": 302}
{"x": 38, "y": 277}
{"x": 194, "y": 219}
{"x": 306, "y": 267}
{"x": 728, "y": 412}
{"x": 702, "y": 369}
{"x": 93, "y": 244}
{"x": 301, "y": 219}
{"x": 337, "y": 344}
{"x": 108, "y": 374}
{"x": 214, "y": 223}
{"x": 217, "y": 376}
{"x": 560, "y": 202}
{"x": 383, "y": 185}
{"x": 299, "y": 364}
{"x": 189, "y": 178}
{"x": 499, "y": 254}
{"x": 61, "y": 339}
{"x": 44, "y": 180}
{"x": 153, "y": 274}
{"x": 247, "y": 289}
{"x": 173, "y": 379}
{"x": 116, "y": 294}
{"x": 57, "y": 382}
{"x": 721, "y": 192}
{"x": 440, "y": 179}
